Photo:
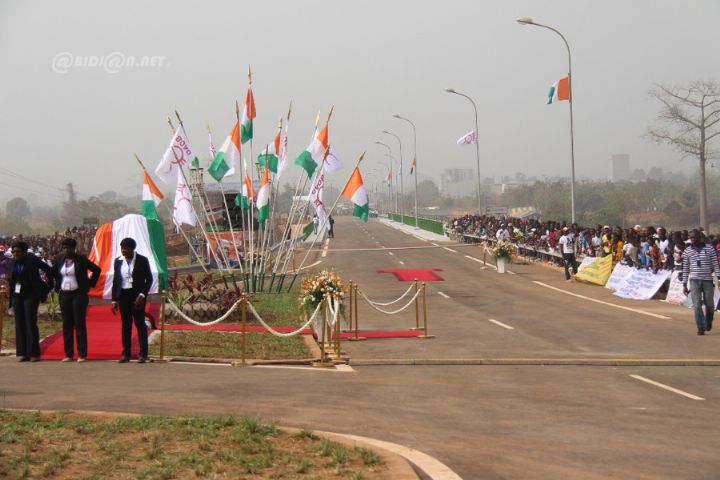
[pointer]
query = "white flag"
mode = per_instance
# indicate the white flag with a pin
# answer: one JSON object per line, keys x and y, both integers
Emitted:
{"x": 316, "y": 197}
{"x": 177, "y": 155}
{"x": 183, "y": 208}
{"x": 213, "y": 151}
{"x": 467, "y": 139}
{"x": 282, "y": 157}
{"x": 332, "y": 162}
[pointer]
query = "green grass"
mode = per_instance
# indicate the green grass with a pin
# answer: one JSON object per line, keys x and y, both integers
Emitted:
{"x": 64, "y": 446}
{"x": 46, "y": 327}
{"x": 265, "y": 346}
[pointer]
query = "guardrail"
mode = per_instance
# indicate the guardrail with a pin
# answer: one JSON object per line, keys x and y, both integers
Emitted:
{"x": 527, "y": 251}
{"x": 428, "y": 224}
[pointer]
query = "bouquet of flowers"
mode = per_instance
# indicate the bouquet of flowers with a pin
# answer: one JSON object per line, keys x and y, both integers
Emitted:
{"x": 504, "y": 250}
{"x": 315, "y": 288}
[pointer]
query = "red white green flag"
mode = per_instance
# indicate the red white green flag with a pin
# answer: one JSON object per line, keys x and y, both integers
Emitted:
{"x": 355, "y": 192}
{"x": 229, "y": 155}
{"x": 270, "y": 155}
{"x": 560, "y": 90}
{"x": 246, "y": 124}
{"x": 263, "y": 197}
{"x": 151, "y": 198}
{"x": 314, "y": 153}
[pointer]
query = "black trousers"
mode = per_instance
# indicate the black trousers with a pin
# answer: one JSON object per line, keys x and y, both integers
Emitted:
{"x": 27, "y": 335}
{"x": 129, "y": 315}
{"x": 73, "y": 306}
{"x": 569, "y": 261}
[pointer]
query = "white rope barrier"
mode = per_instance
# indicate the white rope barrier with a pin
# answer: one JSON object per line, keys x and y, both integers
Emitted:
{"x": 333, "y": 310}
{"x": 281, "y": 334}
{"x": 204, "y": 324}
{"x": 394, "y": 311}
{"x": 394, "y": 301}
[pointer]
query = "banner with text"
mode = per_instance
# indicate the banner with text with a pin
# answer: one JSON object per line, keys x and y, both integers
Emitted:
{"x": 597, "y": 271}
{"x": 642, "y": 284}
{"x": 619, "y": 274}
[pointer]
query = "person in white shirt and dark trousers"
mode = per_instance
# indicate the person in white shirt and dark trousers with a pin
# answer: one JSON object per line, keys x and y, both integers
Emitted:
{"x": 132, "y": 280}
{"x": 567, "y": 246}
{"x": 74, "y": 275}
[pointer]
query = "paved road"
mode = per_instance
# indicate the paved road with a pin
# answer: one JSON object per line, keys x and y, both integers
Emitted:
{"x": 506, "y": 421}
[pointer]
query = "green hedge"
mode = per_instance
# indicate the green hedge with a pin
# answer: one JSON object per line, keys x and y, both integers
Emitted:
{"x": 423, "y": 223}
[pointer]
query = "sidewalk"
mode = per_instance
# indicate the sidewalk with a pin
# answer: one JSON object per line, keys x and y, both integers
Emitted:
{"x": 416, "y": 232}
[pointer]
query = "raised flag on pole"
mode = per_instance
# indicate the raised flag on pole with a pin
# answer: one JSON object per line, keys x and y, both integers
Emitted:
{"x": 314, "y": 153}
{"x": 412, "y": 165}
{"x": 151, "y": 198}
{"x": 560, "y": 90}
{"x": 183, "y": 211}
{"x": 467, "y": 139}
{"x": 177, "y": 155}
{"x": 249, "y": 188}
{"x": 282, "y": 156}
{"x": 355, "y": 192}
{"x": 316, "y": 198}
{"x": 242, "y": 200}
{"x": 270, "y": 155}
{"x": 213, "y": 151}
{"x": 246, "y": 125}
{"x": 263, "y": 197}
{"x": 150, "y": 239}
{"x": 229, "y": 155}
{"x": 332, "y": 162}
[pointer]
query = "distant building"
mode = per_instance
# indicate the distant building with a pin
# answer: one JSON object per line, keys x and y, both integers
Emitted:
{"x": 619, "y": 167}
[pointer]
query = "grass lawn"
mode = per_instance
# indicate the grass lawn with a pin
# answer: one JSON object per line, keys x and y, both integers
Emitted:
{"x": 72, "y": 446}
{"x": 46, "y": 327}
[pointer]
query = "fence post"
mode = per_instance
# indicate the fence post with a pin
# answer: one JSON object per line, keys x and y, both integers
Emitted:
{"x": 425, "y": 336}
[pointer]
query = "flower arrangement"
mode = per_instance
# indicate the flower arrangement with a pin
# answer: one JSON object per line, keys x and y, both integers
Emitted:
{"x": 504, "y": 250}
{"x": 315, "y": 288}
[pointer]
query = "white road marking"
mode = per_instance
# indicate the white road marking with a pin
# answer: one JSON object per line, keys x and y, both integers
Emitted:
{"x": 420, "y": 238}
{"x": 325, "y": 250}
{"x": 476, "y": 259}
{"x": 500, "y": 324}
{"x": 327, "y": 241}
{"x": 642, "y": 312}
{"x": 443, "y": 295}
{"x": 666, "y": 387}
{"x": 433, "y": 243}
{"x": 450, "y": 250}
{"x": 306, "y": 267}
{"x": 341, "y": 367}
{"x": 295, "y": 367}
{"x": 391, "y": 253}
{"x": 401, "y": 262}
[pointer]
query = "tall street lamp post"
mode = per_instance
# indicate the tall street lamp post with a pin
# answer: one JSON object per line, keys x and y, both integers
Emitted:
{"x": 402, "y": 189}
{"x": 390, "y": 183}
{"x": 530, "y": 21}
{"x": 414, "y": 161}
{"x": 477, "y": 145}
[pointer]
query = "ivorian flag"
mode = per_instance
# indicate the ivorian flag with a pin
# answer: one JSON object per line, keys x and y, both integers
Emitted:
{"x": 248, "y": 188}
{"x": 151, "y": 198}
{"x": 150, "y": 239}
{"x": 246, "y": 125}
{"x": 229, "y": 155}
{"x": 412, "y": 165}
{"x": 560, "y": 90}
{"x": 355, "y": 192}
{"x": 270, "y": 155}
{"x": 314, "y": 153}
{"x": 263, "y": 197}
{"x": 307, "y": 230}
{"x": 242, "y": 200}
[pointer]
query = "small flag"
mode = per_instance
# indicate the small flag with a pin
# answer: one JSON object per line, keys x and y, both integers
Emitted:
{"x": 151, "y": 198}
{"x": 242, "y": 200}
{"x": 270, "y": 154}
{"x": 314, "y": 153}
{"x": 307, "y": 230}
{"x": 332, "y": 162}
{"x": 467, "y": 139}
{"x": 412, "y": 165}
{"x": 224, "y": 163}
{"x": 263, "y": 197}
{"x": 183, "y": 211}
{"x": 560, "y": 90}
{"x": 355, "y": 192}
{"x": 282, "y": 157}
{"x": 246, "y": 126}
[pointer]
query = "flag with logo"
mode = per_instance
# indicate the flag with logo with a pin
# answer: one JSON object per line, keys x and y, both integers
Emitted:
{"x": 467, "y": 139}
{"x": 177, "y": 155}
{"x": 183, "y": 211}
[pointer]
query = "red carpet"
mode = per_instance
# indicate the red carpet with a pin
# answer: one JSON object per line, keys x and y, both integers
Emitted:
{"x": 104, "y": 337}
{"x": 422, "y": 274}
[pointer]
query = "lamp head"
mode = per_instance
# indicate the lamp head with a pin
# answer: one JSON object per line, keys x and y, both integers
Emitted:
{"x": 450, "y": 90}
{"x": 395, "y": 115}
{"x": 525, "y": 20}
{"x": 385, "y": 131}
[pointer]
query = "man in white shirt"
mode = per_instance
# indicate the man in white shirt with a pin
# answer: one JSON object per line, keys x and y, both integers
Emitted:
{"x": 567, "y": 247}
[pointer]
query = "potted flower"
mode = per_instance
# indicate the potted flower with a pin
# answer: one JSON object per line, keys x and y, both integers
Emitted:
{"x": 503, "y": 254}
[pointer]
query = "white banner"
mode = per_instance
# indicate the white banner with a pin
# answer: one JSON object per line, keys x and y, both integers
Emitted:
{"x": 675, "y": 293}
{"x": 618, "y": 276}
{"x": 183, "y": 211}
{"x": 177, "y": 155}
{"x": 642, "y": 284}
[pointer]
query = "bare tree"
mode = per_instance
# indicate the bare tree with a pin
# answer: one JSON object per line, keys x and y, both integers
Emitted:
{"x": 689, "y": 119}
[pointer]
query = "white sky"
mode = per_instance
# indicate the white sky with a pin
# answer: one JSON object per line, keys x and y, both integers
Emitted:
{"x": 370, "y": 59}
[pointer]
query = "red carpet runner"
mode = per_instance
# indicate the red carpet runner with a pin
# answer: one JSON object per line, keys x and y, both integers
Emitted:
{"x": 421, "y": 274}
{"x": 104, "y": 337}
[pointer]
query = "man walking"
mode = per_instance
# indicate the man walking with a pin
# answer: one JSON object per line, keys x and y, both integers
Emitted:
{"x": 700, "y": 261}
{"x": 567, "y": 246}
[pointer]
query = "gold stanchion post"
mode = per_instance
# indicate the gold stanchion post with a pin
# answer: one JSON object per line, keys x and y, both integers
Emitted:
{"x": 3, "y": 309}
{"x": 163, "y": 299}
{"x": 323, "y": 363}
{"x": 350, "y": 326}
{"x": 357, "y": 337}
{"x": 425, "y": 336}
{"x": 417, "y": 308}
{"x": 243, "y": 333}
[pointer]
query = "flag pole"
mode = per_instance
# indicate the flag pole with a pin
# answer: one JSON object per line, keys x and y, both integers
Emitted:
{"x": 197, "y": 218}
{"x": 284, "y": 236}
{"x": 142, "y": 165}
{"x": 273, "y": 197}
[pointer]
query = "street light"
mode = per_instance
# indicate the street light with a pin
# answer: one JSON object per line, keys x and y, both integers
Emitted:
{"x": 477, "y": 145}
{"x": 390, "y": 189}
{"x": 530, "y": 21}
{"x": 414, "y": 160}
{"x": 402, "y": 188}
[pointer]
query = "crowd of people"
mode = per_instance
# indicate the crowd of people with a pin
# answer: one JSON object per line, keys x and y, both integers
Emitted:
{"x": 693, "y": 254}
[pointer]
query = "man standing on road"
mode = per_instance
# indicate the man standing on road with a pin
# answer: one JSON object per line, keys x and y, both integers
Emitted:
{"x": 567, "y": 246}
{"x": 700, "y": 261}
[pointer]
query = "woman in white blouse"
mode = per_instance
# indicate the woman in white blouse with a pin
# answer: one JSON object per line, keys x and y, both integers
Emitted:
{"x": 75, "y": 274}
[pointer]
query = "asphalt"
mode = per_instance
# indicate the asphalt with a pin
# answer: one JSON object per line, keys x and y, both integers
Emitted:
{"x": 557, "y": 385}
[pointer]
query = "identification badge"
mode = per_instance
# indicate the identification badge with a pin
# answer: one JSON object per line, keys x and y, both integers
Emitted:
{"x": 17, "y": 288}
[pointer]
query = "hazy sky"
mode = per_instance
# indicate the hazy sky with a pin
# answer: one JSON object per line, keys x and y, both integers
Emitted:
{"x": 368, "y": 58}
